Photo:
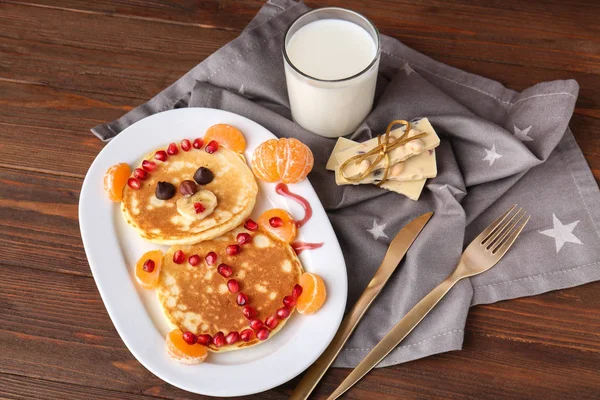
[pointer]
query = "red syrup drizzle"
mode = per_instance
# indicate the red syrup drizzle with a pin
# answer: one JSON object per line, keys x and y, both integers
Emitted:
{"x": 299, "y": 246}
{"x": 282, "y": 189}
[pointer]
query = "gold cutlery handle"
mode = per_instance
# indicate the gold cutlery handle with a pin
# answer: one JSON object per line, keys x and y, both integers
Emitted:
{"x": 396, "y": 334}
{"x": 396, "y": 251}
{"x": 314, "y": 374}
{"x": 482, "y": 254}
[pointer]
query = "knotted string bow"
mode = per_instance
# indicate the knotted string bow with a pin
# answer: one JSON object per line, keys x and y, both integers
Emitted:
{"x": 384, "y": 146}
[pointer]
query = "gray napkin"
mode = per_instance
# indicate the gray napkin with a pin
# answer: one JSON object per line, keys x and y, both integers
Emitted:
{"x": 499, "y": 147}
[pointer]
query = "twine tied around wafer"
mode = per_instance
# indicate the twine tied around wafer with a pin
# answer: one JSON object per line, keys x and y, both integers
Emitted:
{"x": 382, "y": 149}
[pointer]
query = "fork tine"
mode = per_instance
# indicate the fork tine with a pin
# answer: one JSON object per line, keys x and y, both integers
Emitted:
{"x": 485, "y": 235}
{"x": 505, "y": 244}
{"x": 505, "y": 229}
{"x": 508, "y": 228}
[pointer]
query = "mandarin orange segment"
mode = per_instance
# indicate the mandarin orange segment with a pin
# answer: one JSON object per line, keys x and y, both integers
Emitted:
{"x": 288, "y": 160}
{"x": 299, "y": 162}
{"x": 278, "y": 223}
{"x": 147, "y": 269}
{"x": 281, "y": 156}
{"x": 313, "y": 293}
{"x": 228, "y": 136}
{"x": 115, "y": 179}
{"x": 264, "y": 164}
{"x": 183, "y": 352}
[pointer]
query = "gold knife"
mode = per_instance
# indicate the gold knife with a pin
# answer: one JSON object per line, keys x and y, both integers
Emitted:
{"x": 395, "y": 252}
{"x": 480, "y": 255}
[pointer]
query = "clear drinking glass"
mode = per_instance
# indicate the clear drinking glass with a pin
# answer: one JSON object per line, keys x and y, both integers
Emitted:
{"x": 336, "y": 105}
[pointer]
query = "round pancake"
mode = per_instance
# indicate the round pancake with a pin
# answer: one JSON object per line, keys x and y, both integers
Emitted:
{"x": 196, "y": 299}
{"x": 159, "y": 221}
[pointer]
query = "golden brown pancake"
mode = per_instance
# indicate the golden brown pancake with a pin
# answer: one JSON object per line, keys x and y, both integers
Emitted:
{"x": 162, "y": 222}
{"x": 196, "y": 298}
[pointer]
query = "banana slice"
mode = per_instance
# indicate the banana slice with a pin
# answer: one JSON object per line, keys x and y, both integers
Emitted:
{"x": 187, "y": 205}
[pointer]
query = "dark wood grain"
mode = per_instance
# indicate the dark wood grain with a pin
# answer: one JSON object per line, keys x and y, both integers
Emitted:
{"x": 43, "y": 46}
{"x": 15, "y": 387}
{"x": 555, "y": 33}
{"x": 69, "y": 65}
{"x": 38, "y": 213}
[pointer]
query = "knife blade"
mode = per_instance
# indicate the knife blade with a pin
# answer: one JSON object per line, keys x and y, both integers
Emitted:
{"x": 395, "y": 252}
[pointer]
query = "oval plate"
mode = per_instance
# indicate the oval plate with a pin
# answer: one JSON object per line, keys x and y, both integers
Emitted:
{"x": 112, "y": 248}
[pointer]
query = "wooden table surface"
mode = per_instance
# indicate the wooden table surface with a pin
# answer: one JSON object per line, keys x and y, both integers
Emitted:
{"x": 68, "y": 65}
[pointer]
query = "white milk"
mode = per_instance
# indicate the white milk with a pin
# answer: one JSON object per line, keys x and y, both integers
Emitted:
{"x": 331, "y": 49}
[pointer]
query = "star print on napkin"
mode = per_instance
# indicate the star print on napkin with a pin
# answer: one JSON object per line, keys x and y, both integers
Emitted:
{"x": 491, "y": 155}
{"x": 522, "y": 134}
{"x": 241, "y": 91}
{"x": 377, "y": 230}
{"x": 561, "y": 233}
{"x": 407, "y": 69}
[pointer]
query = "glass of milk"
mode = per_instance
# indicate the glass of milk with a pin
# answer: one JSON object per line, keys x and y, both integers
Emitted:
{"x": 331, "y": 58}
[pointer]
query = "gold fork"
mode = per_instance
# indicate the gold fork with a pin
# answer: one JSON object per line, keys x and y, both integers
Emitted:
{"x": 482, "y": 254}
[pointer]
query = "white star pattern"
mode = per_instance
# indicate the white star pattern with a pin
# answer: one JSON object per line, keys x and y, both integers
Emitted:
{"x": 523, "y": 134}
{"x": 453, "y": 191}
{"x": 407, "y": 69}
{"x": 491, "y": 155}
{"x": 377, "y": 230}
{"x": 561, "y": 233}
{"x": 241, "y": 91}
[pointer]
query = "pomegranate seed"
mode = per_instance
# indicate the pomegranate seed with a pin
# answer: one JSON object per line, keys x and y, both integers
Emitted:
{"x": 194, "y": 260}
{"x": 212, "y": 146}
{"x": 149, "y": 266}
{"x": 243, "y": 238}
{"x": 211, "y": 258}
{"x": 199, "y": 208}
{"x": 289, "y": 301}
{"x": 233, "y": 249}
{"x": 225, "y": 270}
{"x": 251, "y": 225}
{"x": 297, "y": 291}
{"x": 275, "y": 222}
{"x": 246, "y": 335}
{"x": 283, "y": 313}
{"x": 232, "y": 337}
{"x": 178, "y": 257}
{"x": 233, "y": 286}
{"x": 172, "y": 149}
{"x": 190, "y": 338}
{"x": 186, "y": 145}
{"x": 263, "y": 334}
{"x": 141, "y": 174}
{"x": 219, "y": 339}
{"x": 198, "y": 143}
{"x": 133, "y": 183}
{"x": 256, "y": 324}
{"x": 161, "y": 155}
{"x": 149, "y": 165}
{"x": 272, "y": 322}
{"x": 248, "y": 311}
{"x": 241, "y": 299}
{"x": 205, "y": 339}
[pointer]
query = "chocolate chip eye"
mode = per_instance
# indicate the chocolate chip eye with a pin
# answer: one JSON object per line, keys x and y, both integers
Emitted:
{"x": 165, "y": 190}
{"x": 203, "y": 176}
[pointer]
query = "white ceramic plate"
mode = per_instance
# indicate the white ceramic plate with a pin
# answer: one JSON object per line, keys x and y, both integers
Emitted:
{"x": 112, "y": 248}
